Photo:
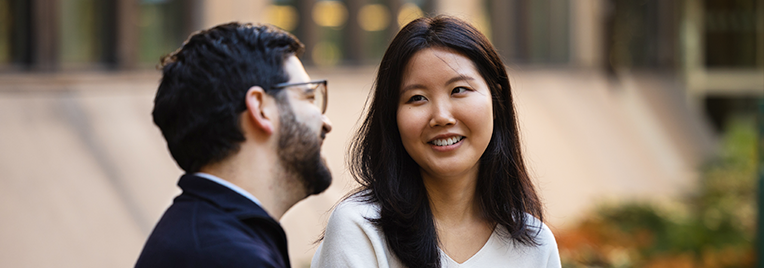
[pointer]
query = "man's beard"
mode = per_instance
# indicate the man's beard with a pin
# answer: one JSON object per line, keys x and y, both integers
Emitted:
{"x": 300, "y": 152}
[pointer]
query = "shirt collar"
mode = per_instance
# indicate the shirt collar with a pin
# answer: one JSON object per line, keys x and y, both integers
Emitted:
{"x": 229, "y": 185}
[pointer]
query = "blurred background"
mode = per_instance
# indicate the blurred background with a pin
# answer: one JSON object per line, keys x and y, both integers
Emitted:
{"x": 638, "y": 119}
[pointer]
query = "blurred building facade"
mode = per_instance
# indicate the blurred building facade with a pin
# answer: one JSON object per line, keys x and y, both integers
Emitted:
{"x": 77, "y": 78}
{"x": 714, "y": 47}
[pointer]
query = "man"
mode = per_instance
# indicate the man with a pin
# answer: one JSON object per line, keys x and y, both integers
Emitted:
{"x": 242, "y": 119}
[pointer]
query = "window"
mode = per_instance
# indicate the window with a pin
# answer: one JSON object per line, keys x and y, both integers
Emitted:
{"x": 531, "y": 31}
{"x": 15, "y": 34}
{"x": 162, "y": 29}
{"x": 730, "y": 33}
{"x": 85, "y": 33}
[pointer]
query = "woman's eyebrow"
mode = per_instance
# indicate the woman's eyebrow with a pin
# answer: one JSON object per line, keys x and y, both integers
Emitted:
{"x": 450, "y": 81}
{"x": 459, "y": 78}
{"x": 412, "y": 86}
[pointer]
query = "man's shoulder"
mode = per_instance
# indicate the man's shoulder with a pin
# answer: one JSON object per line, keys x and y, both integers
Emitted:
{"x": 194, "y": 218}
{"x": 235, "y": 254}
{"x": 241, "y": 254}
{"x": 194, "y": 229}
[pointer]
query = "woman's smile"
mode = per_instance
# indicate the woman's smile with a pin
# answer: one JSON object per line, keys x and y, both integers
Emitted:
{"x": 446, "y": 144}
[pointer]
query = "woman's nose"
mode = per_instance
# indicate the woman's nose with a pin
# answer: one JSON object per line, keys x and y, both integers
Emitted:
{"x": 441, "y": 115}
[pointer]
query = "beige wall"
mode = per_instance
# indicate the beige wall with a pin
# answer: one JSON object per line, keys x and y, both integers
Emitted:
{"x": 221, "y": 11}
{"x": 471, "y": 11}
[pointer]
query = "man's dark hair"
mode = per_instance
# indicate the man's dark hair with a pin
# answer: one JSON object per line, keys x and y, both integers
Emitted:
{"x": 201, "y": 95}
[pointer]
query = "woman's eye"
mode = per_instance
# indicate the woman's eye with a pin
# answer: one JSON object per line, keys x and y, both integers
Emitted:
{"x": 416, "y": 98}
{"x": 458, "y": 90}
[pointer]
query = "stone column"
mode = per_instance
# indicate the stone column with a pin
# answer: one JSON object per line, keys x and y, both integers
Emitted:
{"x": 470, "y": 11}
{"x": 395, "y": 7}
{"x": 587, "y": 34}
{"x": 45, "y": 41}
{"x": 691, "y": 36}
{"x": 353, "y": 34}
{"x": 306, "y": 29}
{"x": 127, "y": 33}
{"x": 193, "y": 16}
{"x": 760, "y": 41}
{"x": 503, "y": 25}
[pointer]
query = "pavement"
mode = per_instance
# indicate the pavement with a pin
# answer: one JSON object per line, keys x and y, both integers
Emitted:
{"x": 85, "y": 174}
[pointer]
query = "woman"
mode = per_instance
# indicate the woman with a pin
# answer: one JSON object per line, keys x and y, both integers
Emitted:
{"x": 438, "y": 157}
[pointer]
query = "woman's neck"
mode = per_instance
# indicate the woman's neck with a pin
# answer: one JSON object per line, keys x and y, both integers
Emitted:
{"x": 459, "y": 222}
{"x": 453, "y": 200}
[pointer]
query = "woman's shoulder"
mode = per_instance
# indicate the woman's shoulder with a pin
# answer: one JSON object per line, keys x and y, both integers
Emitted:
{"x": 351, "y": 239}
{"x": 354, "y": 210}
{"x": 545, "y": 237}
{"x": 547, "y": 245}
{"x": 542, "y": 253}
{"x": 542, "y": 234}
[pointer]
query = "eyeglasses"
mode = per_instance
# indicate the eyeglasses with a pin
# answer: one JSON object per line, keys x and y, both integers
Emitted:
{"x": 316, "y": 88}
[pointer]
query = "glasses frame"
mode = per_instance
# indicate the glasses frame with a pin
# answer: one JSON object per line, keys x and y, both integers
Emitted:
{"x": 318, "y": 82}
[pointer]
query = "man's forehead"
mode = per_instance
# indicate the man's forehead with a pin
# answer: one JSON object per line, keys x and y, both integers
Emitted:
{"x": 295, "y": 70}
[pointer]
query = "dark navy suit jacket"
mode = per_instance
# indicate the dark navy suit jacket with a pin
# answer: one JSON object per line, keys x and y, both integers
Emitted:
{"x": 210, "y": 225}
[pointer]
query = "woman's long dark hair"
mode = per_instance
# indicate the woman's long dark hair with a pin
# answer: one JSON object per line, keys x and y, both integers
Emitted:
{"x": 390, "y": 177}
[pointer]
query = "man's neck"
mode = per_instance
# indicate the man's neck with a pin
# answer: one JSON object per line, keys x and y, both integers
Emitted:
{"x": 260, "y": 176}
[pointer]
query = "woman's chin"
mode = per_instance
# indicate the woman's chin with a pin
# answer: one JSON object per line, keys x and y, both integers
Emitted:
{"x": 449, "y": 171}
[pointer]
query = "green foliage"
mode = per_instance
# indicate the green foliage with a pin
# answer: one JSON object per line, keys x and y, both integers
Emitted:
{"x": 712, "y": 227}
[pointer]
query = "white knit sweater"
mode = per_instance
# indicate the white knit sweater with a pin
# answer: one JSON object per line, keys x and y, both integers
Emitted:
{"x": 352, "y": 241}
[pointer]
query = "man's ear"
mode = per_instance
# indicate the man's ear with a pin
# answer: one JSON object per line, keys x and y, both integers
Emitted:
{"x": 258, "y": 108}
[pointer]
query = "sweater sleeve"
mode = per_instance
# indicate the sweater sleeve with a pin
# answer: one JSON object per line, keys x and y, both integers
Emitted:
{"x": 351, "y": 240}
{"x": 549, "y": 244}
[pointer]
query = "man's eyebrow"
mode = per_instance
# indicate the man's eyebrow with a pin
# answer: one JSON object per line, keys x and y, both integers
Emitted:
{"x": 459, "y": 78}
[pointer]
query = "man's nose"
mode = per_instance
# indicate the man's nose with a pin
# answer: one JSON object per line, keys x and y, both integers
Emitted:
{"x": 327, "y": 127}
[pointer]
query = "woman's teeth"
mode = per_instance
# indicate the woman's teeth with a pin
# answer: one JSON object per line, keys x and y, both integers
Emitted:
{"x": 448, "y": 141}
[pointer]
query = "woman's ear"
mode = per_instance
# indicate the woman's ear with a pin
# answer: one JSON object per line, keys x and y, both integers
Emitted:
{"x": 257, "y": 109}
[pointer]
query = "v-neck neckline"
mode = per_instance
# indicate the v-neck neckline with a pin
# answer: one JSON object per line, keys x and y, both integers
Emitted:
{"x": 474, "y": 256}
